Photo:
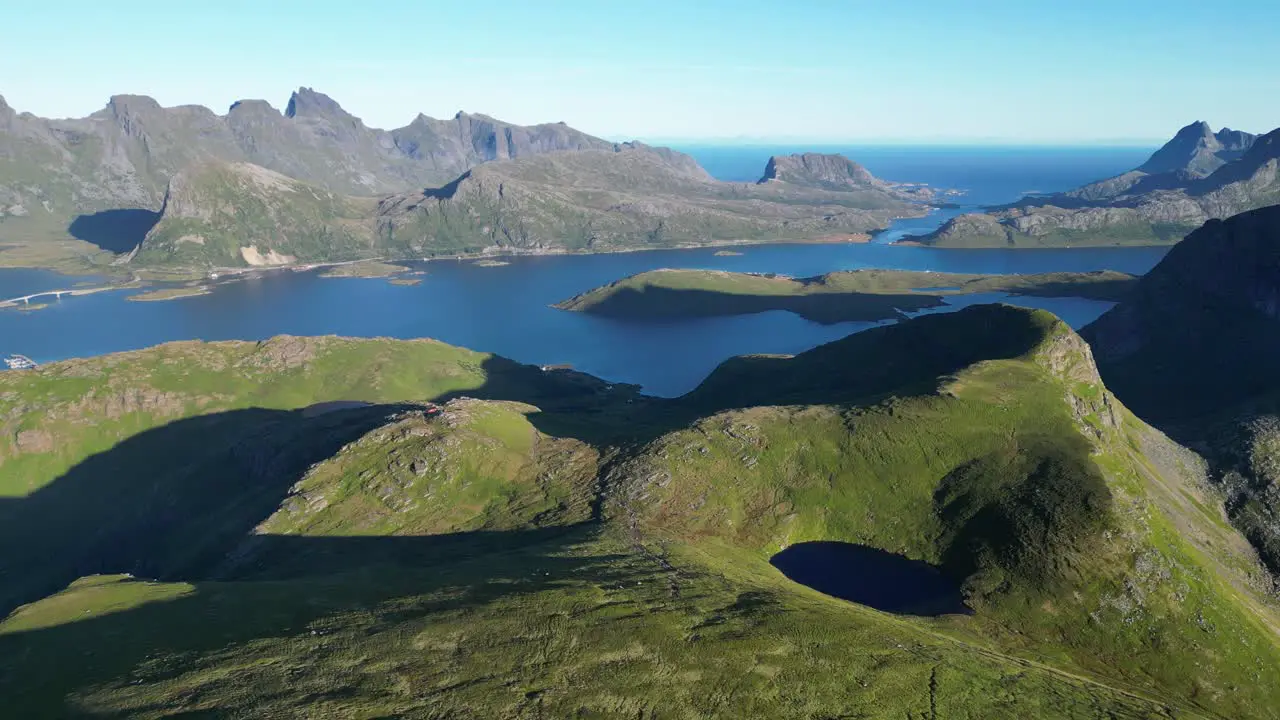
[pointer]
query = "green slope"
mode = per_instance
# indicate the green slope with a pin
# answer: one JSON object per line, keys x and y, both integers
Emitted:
{"x": 637, "y": 197}
{"x": 559, "y": 549}
{"x": 240, "y": 214}
{"x": 831, "y": 298}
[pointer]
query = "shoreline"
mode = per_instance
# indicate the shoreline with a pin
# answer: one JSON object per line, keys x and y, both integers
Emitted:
{"x": 185, "y": 273}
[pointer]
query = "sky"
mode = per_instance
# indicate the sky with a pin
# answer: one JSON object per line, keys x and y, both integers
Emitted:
{"x": 866, "y": 71}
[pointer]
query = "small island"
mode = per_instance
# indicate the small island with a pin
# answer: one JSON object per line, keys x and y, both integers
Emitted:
{"x": 490, "y": 263}
{"x": 862, "y": 295}
{"x": 727, "y": 253}
{"x": 364, "y": 269}
{"x": 171, "y": 293}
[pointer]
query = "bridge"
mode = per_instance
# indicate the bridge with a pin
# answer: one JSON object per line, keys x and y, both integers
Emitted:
{"x": 26, "y": 299}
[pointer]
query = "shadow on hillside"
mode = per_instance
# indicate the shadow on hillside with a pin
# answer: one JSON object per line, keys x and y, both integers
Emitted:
{"x": 872, "y": 365}
{"x": 664, "y": 304}
{"x": 174, "y": 501}
{"x": 117, "y": 231}
{"x": 167, "y": 502}
{"x": 382, "y": 582}
{"x": 180, "y": 503}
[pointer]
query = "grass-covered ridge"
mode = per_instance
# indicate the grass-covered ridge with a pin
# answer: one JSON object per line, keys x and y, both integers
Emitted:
{"x": 336, "y": 530}
{"x": 631, "y": 197}
{"x": 835, "y": 297}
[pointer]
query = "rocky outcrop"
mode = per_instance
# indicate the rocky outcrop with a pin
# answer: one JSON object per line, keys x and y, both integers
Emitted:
{"x": 827, "y": 171}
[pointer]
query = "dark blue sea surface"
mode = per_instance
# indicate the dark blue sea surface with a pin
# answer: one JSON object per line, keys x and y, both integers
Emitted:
{"x": 507, "y": 310}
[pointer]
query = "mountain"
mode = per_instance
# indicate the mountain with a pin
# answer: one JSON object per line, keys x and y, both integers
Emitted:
{"x": 633, "y": 197}
{"x": 832, "y": 171}
{"x": 630, "y": 196}
{"x": 1197, "y": 151}
{"x": 53, "y": 172}
{"x": 1195, "y": 348}
{"x": 184, "y": 186}
{"x": 1196, "y": 176}
{"x": 829, "y": 171}
{"x": 230, "y": 214}
{"x": 382, "y": 527}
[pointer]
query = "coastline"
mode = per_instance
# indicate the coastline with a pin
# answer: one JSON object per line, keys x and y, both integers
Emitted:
{"x": 179, "y": 274}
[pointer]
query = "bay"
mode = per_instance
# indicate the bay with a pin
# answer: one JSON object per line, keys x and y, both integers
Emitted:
{"x": 506, "y": 309}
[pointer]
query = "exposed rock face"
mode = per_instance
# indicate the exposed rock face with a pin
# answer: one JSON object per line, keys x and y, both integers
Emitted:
{"x": 1197, "y": 176}
{"x": 827, "y": 171}
{"x": 1197, "y": 151}
{"x": 125, "y": 155}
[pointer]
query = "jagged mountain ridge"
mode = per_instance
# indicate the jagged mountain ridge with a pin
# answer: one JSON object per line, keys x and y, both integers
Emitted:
{"x": 124, "y": 155}
{"x": 1197, "y": 150}
{"x": 1197, "y": 176}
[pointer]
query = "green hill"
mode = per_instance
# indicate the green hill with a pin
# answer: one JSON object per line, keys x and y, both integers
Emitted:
{"x": 636, "y": 197}
{"x": 327, "y": 527}
{"x": 831, "y": 298}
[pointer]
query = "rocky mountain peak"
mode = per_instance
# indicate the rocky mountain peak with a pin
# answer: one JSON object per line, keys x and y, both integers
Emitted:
{"x": 830, "y": 171}
{"x": 123, "y": 105}
{"x": 252, "y": 107}
{"x": 306, "y": 102}
{"x": 1197, "y": 151}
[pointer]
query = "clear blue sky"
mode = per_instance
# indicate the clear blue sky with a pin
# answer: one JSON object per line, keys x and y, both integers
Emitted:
{"x": 1072, "y": 71}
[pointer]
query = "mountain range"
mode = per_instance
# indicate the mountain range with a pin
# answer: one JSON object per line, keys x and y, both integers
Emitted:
{"x": 1197, "y": 176}
{"x": 185, "y": 185}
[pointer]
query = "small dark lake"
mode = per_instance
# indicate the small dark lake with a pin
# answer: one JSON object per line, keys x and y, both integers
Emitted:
{"x": 872, "y": 577}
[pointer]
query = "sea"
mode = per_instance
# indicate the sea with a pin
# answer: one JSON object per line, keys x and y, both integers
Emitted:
{"x": 507, "y": 309}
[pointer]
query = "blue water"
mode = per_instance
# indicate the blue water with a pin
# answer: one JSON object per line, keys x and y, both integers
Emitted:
{"x": 506, "y": 309}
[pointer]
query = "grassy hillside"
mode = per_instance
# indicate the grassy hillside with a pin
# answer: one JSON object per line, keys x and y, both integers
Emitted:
{"x": 240, "y": 214}
{"x": 1046, "y": 228}
{"x": 219, "y": 214}
{"x": 834, "y": 297}
{"x": 635, "y": 198}
{"x": 553, "y": 547}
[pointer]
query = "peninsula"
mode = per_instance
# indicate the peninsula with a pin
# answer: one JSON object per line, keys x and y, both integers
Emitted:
{"x": 866, "y": 295}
